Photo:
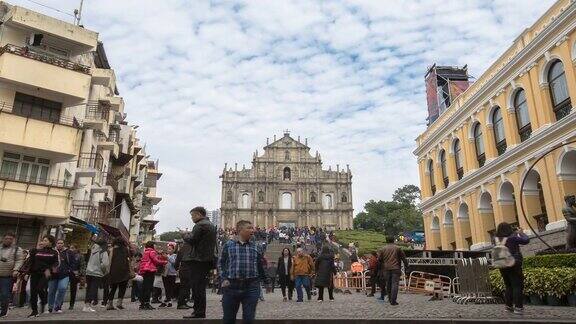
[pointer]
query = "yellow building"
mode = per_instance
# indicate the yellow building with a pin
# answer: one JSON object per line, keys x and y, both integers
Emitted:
{"x": 67, "y": 153}
{"x": 472, "y": 158}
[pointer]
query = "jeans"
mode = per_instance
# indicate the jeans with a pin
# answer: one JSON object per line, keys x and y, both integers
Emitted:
{"x": 56, "y": 291}
{"x": 147, "y": 286}
{"x": 92, "y": 285}
{"x": 514, "y": 282}
{"x": 392, "y": 278}
{"x": 38, "y": 286}
{"x": 199, "y": 280}
{"x": 302, "y": 281}
{"x": 136, "y": 290}
{"x": 5, "y": 293}
{"x": 240, "y": 293}
{"x": 74, "y": 280}
{"x": 287, "y": 284}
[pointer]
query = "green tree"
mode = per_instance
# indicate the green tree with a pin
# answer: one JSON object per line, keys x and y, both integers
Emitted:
{"x": 170, "y": 236}
{"x": 392, "y": 217}
{"x": 408, "y": 195}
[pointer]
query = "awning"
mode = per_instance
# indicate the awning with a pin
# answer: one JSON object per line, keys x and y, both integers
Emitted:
{"x": 113, "y": 231}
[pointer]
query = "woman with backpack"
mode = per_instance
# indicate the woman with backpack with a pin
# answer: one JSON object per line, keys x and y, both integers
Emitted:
{"x": 97, "y": 267}
{"x": 119, "y": 273}
{"x": 148, "y": 268}
{"x": 40, "y": 263}
{"x": 508, "y": 258}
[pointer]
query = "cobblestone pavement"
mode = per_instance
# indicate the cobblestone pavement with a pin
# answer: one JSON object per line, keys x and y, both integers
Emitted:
{"x": 355, "y": 306}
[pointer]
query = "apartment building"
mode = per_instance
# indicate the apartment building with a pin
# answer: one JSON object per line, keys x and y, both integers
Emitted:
{"x": 70, "y": 164}
{"x": 475, "y": 153}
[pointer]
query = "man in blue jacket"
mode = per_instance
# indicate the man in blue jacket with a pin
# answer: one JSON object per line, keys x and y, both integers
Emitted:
{"x": 60, "y": 278}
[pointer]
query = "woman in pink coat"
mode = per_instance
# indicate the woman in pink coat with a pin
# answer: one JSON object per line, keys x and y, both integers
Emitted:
{"x": 148, "y": 266}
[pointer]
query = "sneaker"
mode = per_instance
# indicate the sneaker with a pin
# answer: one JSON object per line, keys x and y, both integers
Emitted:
{"x": 71, "y": 307}
{"x": 34, "y": 314}
{"x": 88, "y": 309}
{"x": 519, "y": 311}
{"x": 162, "y": 305}
{"x": 58, "y": 311}
{"x": 320, "y": 300}
{"x": 331, "y": 299}
{"x": 394, "y": 303}
{"x": 169, "y": 305}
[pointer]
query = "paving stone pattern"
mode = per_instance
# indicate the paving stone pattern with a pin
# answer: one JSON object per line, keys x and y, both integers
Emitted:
{"x": 355, "y": 306}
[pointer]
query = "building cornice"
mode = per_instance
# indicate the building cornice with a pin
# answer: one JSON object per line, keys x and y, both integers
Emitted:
{"x": 533, "y": 147}
{"x": 520, "y": 63}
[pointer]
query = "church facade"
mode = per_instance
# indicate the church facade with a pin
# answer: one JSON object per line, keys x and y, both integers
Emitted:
{"x": 287, "y": 186}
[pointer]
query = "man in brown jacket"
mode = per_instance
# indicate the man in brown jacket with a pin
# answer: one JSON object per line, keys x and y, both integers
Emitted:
{"x": 390, "y": 257}
{"x": 302, "y": 270}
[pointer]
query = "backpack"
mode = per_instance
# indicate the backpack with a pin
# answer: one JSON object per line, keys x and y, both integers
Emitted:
{"x": 501, "y": 256}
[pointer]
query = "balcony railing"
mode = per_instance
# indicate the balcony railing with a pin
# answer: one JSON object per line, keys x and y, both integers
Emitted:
{"x": 90, "y": 161}
{"x": 86, "y": 210}
{"x": 26, "y": 178}
{"x": 95, "y": 110}
{"x": 63, "y": 120}
{"x": 44, "y": 57}
{"x": 481, "y": 160}
{"x": 460, "y": 173}
{"x": 501, "y": 147}
{"x": 563, "y": 109}
{"x": 525, "y": 132}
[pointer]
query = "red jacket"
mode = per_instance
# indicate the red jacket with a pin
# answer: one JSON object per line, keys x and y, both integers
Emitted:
{"x": 150, "y": 261}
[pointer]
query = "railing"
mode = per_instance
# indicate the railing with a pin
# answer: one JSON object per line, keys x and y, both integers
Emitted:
{"x": 563, "y": 109}
{"x": 525, "y": 132}
{"x": 94, "y": 110}
{"x": 87, "y": 211}
{"x": 501, "y": 147}
{"x": 90, "y": 161}
{"x": 481, "y": 160}
{"x": 44, "y": 57}
{"x": 63, "y": 120}
{"x": 26, "y": 178}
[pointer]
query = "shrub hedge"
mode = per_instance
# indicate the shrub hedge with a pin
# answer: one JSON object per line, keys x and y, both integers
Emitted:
{"x": 551, "y": 261}
{"x": 557, "y": 282}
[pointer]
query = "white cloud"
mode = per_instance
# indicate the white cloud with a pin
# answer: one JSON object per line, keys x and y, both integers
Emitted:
{"x": 208, "y": 82}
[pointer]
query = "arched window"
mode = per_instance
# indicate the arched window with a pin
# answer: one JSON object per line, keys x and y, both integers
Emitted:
{"x": 559, "y": 90}
{"x": 479, "y": 144}
{"x": 458, "y": 159}
{"x": 286, "y": 201}
{"x": 287, "y": 155}
{"x": 245, "y": 201}
{"x": 287, "y": 173}
{"x": 499, "y": 136}
{"x": 328, "y": 202}
{"x": 522, "y": 116}
{"x": 344, "y": 197}
{"x": 443, "y": 168}
{"x": 261, "y": 196}
{"x": 431, "y": 174}
{"x": 229, "y": 196}
{"x": 313, "y": 197}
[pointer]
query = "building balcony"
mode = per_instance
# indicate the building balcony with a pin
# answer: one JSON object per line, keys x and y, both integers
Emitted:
{"x": 89, "y": 165}
{"x": 59, "y": 138}
{"x": 24, "y": 66}
{"x": 36, "y": 22}
{"x": 23, "y": 195}
{"x": 97, "y": 116}
{"x": 105, "y": 77}
{"x": 91, "y": 212}
{"x": 108, "y": 143}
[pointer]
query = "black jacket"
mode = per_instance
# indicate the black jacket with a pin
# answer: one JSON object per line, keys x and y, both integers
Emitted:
{"x": 202, "y": 241}
{"x": 283, "y": 276}
{"x": 119, "y": 265}
{"x": 325, "y": 269}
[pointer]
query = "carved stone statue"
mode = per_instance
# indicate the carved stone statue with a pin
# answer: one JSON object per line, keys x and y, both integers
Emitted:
{"x": 569, "y": 212}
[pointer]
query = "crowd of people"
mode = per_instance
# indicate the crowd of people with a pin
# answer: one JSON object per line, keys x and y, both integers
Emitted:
{"x": 232, "y": 260}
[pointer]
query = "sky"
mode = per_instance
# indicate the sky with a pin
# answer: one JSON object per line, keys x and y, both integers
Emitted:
{"x": 208, "y": 81}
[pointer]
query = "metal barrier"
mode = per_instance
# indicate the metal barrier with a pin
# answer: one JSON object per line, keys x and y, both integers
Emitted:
{"x": 418, "y": 280}
{"x": 472, "y": 284}
{"x": 360, "y": 281}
